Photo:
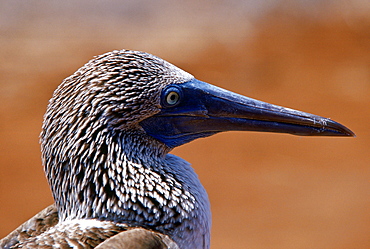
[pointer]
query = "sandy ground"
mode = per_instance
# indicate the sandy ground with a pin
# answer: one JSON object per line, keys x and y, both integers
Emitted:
{"x": 266, "y": 190}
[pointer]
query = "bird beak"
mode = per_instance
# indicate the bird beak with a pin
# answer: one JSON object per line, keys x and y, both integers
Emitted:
{"x": 203, "y": 110}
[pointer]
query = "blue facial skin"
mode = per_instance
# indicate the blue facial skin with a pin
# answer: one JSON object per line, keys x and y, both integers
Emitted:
{"x": 197, "y": 109}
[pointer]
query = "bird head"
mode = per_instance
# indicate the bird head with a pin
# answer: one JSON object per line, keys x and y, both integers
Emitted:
{"x": 130, "y": 91}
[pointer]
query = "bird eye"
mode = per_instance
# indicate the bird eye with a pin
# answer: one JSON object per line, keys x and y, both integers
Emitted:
{"x": 171, "y": 96}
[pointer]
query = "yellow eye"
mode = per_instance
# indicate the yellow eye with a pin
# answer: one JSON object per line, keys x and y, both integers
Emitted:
{"x": 172, "y": 98}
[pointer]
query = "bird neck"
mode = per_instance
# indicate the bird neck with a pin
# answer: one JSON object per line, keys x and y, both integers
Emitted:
{"x": 127, "y": 178}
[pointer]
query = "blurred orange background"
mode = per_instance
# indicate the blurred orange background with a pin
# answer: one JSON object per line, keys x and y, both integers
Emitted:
{"x": 266, "y": 190}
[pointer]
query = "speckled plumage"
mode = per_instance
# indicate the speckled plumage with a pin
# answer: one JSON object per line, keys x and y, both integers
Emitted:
{"x": 35, "y": 226}
{"x": 101, "y": 165}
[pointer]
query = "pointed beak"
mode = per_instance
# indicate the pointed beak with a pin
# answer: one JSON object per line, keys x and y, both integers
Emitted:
{"x": 203, "y": 110}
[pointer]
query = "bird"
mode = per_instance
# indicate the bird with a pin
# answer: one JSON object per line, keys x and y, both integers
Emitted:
{"x": 105, "y": 142}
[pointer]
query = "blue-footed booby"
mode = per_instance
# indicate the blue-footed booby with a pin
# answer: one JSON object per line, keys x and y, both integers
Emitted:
{"x": 105, "y": 141}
